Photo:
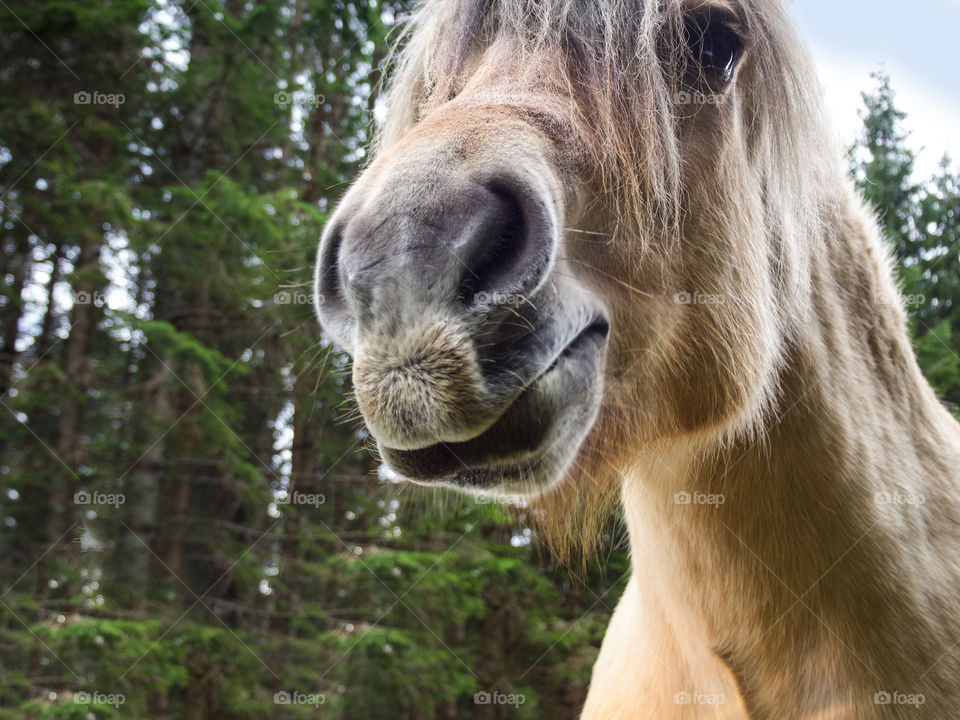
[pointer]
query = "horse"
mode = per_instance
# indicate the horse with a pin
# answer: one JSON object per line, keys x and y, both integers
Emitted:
{"x": 607, "y": 251}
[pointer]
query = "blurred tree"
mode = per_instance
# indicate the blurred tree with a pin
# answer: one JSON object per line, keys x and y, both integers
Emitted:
{"x": 187, "y": 514}
{"x": 922, "y": 223}
{"x": 938, "y": 319}
{"x": 883, "y": 167}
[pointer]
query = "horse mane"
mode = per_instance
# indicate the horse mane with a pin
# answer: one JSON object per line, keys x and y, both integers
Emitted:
{"x": 619, "y": 60}
{"x": 618, "y": 68}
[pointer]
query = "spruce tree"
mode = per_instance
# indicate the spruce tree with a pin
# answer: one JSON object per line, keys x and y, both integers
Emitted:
{"x": 922, "y": 223}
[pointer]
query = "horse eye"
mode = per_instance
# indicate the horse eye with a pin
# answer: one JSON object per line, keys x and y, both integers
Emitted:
{"x": 714, "y": 46}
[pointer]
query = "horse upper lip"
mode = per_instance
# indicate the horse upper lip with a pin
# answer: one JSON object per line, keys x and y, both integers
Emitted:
{"x": 444, "y": 458}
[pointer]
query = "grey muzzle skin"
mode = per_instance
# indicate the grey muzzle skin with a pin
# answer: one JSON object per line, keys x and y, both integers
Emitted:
{"x": 474, "y": 357}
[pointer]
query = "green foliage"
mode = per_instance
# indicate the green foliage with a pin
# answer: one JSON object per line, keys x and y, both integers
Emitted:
{"x": 188, "y": 516}
{"x": 884, "y": 166}
{"x": 922, "y": 223}
{"x": 188, "y": 513}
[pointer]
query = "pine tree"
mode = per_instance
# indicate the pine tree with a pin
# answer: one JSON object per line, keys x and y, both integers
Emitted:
{"x": 922, "y": 223}
{"x": 160, "y": 350}
{"x": 938, "y": 319}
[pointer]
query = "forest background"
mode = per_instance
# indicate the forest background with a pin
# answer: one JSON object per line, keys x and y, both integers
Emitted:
{"x": 191, "y": 524}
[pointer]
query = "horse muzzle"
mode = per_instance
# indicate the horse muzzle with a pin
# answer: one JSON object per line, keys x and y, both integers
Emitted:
{"x": 476, "y": 363}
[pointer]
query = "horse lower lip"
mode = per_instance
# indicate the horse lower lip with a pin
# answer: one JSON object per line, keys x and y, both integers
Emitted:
{"x": 513, "y": 434}
{"x": 520, "y": 435}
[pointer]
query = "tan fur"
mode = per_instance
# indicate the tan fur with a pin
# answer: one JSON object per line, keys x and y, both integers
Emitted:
{"x": 386, "y": 374}
{"x": 788, "y": 387}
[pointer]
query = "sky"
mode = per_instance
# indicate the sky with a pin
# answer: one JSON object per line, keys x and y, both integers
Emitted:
{"x": 917, "y": 42}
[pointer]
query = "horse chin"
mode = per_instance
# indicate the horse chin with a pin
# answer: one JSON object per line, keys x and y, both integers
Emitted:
{"x": 533, "y": 443}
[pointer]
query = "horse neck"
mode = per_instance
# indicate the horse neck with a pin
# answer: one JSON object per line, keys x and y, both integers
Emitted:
{"x": 819, "y": 514}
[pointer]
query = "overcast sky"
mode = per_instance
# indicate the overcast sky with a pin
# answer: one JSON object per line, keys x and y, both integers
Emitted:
{"x": 917, "y": 42}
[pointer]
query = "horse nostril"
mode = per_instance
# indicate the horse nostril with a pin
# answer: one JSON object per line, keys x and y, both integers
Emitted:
{"x": 422, "y": 245}
{"x": 331, "y": 297}
{"x": 329, "y": 276}
{"x": 508, "y": 251}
